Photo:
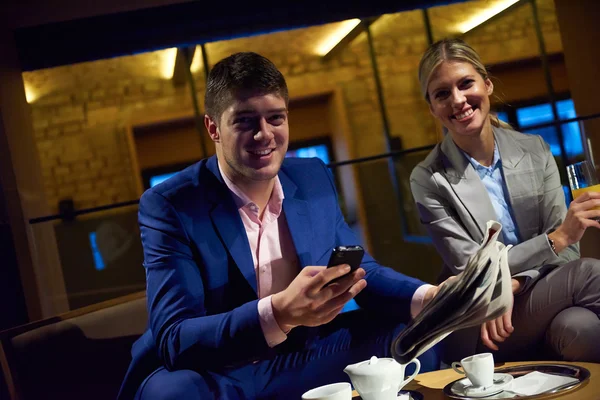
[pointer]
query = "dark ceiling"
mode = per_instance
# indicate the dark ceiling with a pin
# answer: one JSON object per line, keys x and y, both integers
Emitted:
{"x": 175, "y": 25}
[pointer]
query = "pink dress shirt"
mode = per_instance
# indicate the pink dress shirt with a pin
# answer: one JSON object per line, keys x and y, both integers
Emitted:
{"x": 274, "y": 255}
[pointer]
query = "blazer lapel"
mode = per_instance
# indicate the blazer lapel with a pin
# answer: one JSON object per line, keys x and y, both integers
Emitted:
{"x": 297, "y": 216}
{"x": 467, "y": 186}
{"x": 520, "y": 183}
{"x": 226, "y": 218}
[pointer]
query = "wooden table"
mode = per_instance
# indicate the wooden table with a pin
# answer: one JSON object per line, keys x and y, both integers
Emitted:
{"x": 431, "y": 384}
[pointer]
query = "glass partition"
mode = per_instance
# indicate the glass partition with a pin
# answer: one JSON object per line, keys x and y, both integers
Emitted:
{"x": 100, "y": 256}
{"x": 387, "y": 225}
{"x": 399, "y": 41}
{"x": 107, "y": 130}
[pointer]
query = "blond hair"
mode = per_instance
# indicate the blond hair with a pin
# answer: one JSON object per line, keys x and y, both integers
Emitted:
{"x": 452, "y": 50}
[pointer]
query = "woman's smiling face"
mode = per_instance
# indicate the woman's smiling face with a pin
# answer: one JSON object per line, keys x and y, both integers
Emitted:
{"x": 459, "y": 97}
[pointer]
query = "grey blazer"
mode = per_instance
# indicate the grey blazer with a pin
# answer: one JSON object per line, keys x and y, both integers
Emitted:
{"x": 454, "y": 205}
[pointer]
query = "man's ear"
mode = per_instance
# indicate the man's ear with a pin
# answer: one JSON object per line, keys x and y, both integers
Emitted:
{"x": 211, "y": 127}
{"x": 489, "y": 85}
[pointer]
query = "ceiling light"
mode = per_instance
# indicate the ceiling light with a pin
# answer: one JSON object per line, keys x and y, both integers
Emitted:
{"x": 31, "y": 95}
{"x": 485, "y": 14}
{"x": 167, "y": 62}
{"x": 336, "y": 36}
{"x": 197, "y": 60}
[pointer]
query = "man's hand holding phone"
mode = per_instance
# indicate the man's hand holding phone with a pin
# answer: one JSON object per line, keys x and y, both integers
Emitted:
{"x": 349, "y": 255}
{"x": 319, "y": 293}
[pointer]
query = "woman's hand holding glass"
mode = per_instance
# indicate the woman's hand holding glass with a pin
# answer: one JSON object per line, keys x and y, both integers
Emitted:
{"x": 583, "y": 213}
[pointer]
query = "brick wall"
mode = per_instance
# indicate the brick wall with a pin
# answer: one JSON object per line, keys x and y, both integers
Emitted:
{"x": 83, "y": 111}
{"x": 80, "y": 125}
{"x": 513, "y": 37}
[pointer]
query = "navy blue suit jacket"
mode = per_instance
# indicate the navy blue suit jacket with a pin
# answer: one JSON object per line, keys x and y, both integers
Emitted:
{"x": 201, "y": 283}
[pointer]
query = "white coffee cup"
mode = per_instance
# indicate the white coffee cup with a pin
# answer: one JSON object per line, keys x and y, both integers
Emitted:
{"x": 478, "y": 368}
{"x": 335, "y": 391}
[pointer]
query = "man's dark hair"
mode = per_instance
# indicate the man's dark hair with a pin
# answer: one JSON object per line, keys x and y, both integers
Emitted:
{"x": 244, "y": 72}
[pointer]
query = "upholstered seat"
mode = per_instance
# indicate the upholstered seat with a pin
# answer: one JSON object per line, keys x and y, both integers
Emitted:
{"x": 80, "y": 355}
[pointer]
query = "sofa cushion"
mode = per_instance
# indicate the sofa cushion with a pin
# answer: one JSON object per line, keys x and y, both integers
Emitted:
{"x": 83, "y": 357}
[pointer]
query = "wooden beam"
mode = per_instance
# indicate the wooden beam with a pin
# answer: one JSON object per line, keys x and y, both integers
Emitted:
{"x": 183, "y": 61}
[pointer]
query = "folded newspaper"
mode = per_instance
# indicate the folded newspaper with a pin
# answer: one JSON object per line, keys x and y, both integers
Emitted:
{"x": 482, "y": 292}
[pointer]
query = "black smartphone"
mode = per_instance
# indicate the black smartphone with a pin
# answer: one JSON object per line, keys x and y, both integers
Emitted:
{"x": 351, "y": 255}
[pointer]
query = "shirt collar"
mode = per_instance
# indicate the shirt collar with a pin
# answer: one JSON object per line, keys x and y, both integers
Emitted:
{"x": 241, "y": 200}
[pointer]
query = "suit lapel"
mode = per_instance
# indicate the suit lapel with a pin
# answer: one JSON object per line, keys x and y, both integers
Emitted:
{"x": 520, "y": 183}
{"x": 226, "y": 218}
{"x": 297, "y": 216}
{"x": 467, "y": 186}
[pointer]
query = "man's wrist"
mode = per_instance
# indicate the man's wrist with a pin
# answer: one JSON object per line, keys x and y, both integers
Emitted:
{"x": 270, "y": 328}
{"x": 420, "y": 298}
{"x": 285, "y": 326}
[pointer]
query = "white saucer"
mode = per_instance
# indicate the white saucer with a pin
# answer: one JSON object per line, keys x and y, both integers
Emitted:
{"x": 464, "y": 387}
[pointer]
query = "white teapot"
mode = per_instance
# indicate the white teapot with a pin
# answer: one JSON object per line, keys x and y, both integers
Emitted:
{"x": 379, "y": 378}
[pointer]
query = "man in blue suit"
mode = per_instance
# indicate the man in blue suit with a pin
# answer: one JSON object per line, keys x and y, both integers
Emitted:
{"x": 239, "y": 300}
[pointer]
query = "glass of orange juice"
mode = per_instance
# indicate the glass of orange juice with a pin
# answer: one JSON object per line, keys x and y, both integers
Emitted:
{"x": 582, "y": 178}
